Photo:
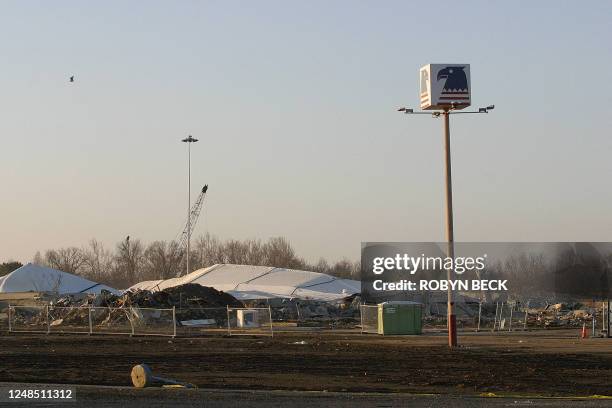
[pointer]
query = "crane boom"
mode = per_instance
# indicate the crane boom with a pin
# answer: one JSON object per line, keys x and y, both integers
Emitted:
{"x": 194, "y": 214}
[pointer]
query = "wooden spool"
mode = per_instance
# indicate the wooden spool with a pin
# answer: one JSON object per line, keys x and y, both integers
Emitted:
{"x": 142, "y": 376}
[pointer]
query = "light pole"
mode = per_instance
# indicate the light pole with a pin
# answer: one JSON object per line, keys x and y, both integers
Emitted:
{"x": 450, "y": 237}
{"x": 189, "y": 140}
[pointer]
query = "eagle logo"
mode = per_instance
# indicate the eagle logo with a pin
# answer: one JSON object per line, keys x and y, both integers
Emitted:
{"x": 456, "y": 80}
{"x": 455, "y": 88}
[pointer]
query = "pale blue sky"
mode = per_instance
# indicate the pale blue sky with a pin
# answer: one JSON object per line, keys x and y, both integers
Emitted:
{"x": 294, "y": 105}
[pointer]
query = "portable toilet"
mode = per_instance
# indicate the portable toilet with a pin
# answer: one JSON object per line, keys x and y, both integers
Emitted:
{"x": 400, "y": 317}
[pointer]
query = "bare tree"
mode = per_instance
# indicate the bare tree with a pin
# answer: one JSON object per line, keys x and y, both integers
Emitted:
{"x": 162, "y": 260}
{"x": 131, "y": 262}
{"x": 321, "y": 266}
{"x": 98, "y": 263}
{"x": 65, "y": 259}
{"x": 128, "y": 262}
{"x": 207, "y": 251}
{"x": 344, "y": 269}
{"x": 255, "y": 254}
{"x": 279, "y": 253}
{"x": 236, "y": 252}
{"x": 39, "y": 259}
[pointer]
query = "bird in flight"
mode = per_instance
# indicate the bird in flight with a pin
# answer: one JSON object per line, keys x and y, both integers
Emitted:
{"x": 72, "y": 78}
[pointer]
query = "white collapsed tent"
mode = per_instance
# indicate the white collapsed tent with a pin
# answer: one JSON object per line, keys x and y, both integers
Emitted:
{"x": 35, "y": 278}
{"x": 246, "y": 282}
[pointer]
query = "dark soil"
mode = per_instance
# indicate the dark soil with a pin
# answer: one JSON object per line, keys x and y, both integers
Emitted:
{"x": 541, "y": 363}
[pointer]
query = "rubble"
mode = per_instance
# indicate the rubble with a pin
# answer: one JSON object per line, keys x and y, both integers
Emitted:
{"x": 184, "y": 296}
{"x": 313, "y": 313}
{"x": 193, "y": 302}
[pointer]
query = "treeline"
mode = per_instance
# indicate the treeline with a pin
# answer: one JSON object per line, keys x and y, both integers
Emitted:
{"x": 8, "y": 267}
{"x": 131, "y": 261}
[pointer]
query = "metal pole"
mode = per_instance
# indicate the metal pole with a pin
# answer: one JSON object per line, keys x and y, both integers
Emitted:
{"x": 174, "y": 320}
{"x": 188, "y": 204}
{"x": 608, "y": 319}
{"x": 361, "y": 316}
{"x": 479, "y": 314}
{"x": 603, "y": 316}
{"x": 297, "y": 308}
{"x": 495, "y": 320}
{"x": 271, "y": 327}
{"x": 90, "y": 322}
{"x": 9, "y": 318}
{"x": 229, "y": 327}
{"x": 511, "y": 310}
{"x": 48, "y": 325}
{"x": 450, "y": 251}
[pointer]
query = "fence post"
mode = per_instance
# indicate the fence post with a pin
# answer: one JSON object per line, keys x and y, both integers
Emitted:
{"x": 479, "y": 313}
{"x": 593, "y": 325}
{"x": 229, "y": 328}
{"x": 603, "y": 316}
{"x": 495, "y": 320}
{"x": 174, "y": 320}
{"x": 526, "y": 313}
{"x": 361, "y": 317}
{"x": 271, "y": 327}
{"x": 511, "y": 310}
{"x": 48, "y": 326}
{"x": 130, "y": 318}
{"x": 9, "y": 319}
{"x": 90, "y": 322}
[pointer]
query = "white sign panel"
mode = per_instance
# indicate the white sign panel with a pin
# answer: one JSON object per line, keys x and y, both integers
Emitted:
{"x": 445, "y": 86}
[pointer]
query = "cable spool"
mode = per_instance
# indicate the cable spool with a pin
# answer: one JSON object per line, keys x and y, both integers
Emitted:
{"x": 142, "y": 376}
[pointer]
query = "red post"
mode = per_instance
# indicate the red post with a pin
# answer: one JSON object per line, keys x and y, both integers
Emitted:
{"x": 452, "y": 331}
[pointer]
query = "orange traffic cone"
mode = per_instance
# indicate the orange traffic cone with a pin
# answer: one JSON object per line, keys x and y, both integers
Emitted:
{"x": 583, "y": 335}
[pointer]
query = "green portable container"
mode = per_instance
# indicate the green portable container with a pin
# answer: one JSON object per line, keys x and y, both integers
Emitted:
{"x": 400, "y": 317}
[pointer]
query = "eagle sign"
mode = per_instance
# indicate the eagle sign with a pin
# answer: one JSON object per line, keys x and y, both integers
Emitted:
{"x": 455, "y": 79}
{"x": 448, "y": 86}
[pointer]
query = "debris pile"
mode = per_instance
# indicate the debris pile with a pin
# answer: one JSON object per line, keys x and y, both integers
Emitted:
{"x": 313, "y": 313}
{"x": 536, "y": 314}
{"x": 183, "y": 296}
{"x": 134, "y": 308}
{"x": 560, "y": 315}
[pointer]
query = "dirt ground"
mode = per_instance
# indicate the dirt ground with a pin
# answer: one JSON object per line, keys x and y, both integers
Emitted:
{"x": 543, "y": 363}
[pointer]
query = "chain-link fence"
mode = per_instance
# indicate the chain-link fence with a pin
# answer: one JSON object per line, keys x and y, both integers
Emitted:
{"x": 201, "y": 321}
{"x": 153, "y": 322}
{"x": 516, "y": 316}
{"x": 255, "y": 321}
{"x": 92, "y": 320}
{"x": 28, "y": 319}
{"x": 139, "y": 321}
{"x": 68, "y": 319}
{"x": 369, "y": 318}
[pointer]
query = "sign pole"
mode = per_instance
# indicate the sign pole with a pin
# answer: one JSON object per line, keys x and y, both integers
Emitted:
{"x": 446, "y": 87}
{"x": 450, "y": 239}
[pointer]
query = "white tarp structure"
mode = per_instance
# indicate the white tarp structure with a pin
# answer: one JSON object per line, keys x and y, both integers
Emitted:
{"x": 263, "y": 282}
{"x": 35, "y": 278}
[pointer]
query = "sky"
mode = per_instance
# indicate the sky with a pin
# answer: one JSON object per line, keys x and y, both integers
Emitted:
{"x": 294, "y": 104}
